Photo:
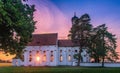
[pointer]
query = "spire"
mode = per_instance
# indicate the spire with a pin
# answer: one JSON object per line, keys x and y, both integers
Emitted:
{"x": 74, "y": 18}
{"x": 74, "y": 14}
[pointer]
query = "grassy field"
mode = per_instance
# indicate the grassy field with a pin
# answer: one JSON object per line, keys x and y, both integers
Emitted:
{"x": 10, "y": 69}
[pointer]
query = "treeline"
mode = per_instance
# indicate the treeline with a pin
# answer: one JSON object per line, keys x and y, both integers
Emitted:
{"x": 5, "y": 61}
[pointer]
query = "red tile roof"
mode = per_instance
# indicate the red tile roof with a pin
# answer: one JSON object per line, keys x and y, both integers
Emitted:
{"x": 43, "y": 39}
{"x": 65, "y": 43}
{"x": 49, "y": 39}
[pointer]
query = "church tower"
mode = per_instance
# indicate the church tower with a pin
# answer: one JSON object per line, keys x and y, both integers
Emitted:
{"x": 74, "y": 19}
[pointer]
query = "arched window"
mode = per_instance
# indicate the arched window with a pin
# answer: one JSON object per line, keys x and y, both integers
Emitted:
{"x": 37, "y": 56}
{"x": 69, "y": 50}
{"x": 69, "y": 58}
{"x": 30, "y": 52}
{"x": 76, "y": 51}
{"x": 37, "y": 52}
{"x": 30, "y": 58}
{"x": 51, "y": 52}
{"x": 16, "y": 62}
{"x": 61, "y": 58}
{"x": 60, "y": 51}
{"x": 44, "y": 58}
{"x": 44, "y": 52}
{"x": 52, "y": 58}
{"x": 22, "y": 57}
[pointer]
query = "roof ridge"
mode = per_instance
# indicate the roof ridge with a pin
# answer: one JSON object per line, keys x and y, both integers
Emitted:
{"x": 64, "y": 40}
{"x": 45, "y": 34}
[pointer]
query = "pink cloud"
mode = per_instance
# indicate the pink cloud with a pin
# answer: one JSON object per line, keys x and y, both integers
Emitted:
{"x": 50, "y": 19}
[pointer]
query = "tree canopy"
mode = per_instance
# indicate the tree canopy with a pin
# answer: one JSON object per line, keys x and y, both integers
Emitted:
{"x": 16, "y": 25}
{"x": 99, "y": 42}
{"x": 103, "y": 45}
{"x": 79, "y": 33}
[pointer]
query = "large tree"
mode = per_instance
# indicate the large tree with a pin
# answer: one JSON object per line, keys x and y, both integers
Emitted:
{"x": 79, "y": 33}
{"x": 103, "y": 45}
{"x": 16, "y": 25}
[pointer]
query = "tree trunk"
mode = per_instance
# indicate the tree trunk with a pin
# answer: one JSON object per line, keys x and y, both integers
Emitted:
{"x": 103, "y": 51}
{"x": 97, "y": 59}
{"x": 79, "y": 56}
{"x": 103, "y": 61}
{"x": 78, "y": 64}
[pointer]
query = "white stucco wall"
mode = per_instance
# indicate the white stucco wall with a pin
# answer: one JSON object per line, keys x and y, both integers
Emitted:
{"x": 38, "y": 51}
{"x": 41, "y": 50}
{"x": 17, "y": 62}
{"x": 98, "y": 64}
{"x": 66, "y": 51}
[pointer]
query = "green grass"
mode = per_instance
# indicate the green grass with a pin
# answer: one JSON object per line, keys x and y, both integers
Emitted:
{"x": 57, "y": 70}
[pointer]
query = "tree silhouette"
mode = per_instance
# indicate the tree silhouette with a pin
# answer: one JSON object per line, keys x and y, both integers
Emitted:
{"x": 79, "y": 33}
{"x": 99, "y": 42}
{"x": 16, "y": 25}
{"x": 103, "y": 45}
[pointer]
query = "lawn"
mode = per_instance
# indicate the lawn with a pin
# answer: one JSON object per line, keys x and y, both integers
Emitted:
{"x": 57, "y": 70}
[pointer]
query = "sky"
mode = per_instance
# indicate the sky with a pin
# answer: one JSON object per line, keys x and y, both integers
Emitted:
{"x": 54, "y": 16}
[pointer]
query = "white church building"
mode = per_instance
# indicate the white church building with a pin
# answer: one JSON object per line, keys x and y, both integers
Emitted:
{"x": 48, "y": 50}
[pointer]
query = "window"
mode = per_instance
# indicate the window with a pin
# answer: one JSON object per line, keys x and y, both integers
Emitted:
{"x": 44, "y": 52}
{"x": 22, "y": 57}
{"x": 69, "y": 58}
{"x": 76, "y": 51}
{"x": 37, "y": 52}
{"x": 30, "y": 51}
{"x": 61, "y": 58}
{"x": 44, "y": 58}
{"x": 69, "y": 50}
{"x": 37, "y": 56}
{"x": 30, "y": 58}
{"x": 52, "y": 52}
{"x": 16, "y": 62}
{"x": 51, "y": 58}
{"x": 60, "y": 51}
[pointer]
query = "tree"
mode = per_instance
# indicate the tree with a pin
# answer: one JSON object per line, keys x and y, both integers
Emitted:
{"x": 100, "y": 43}
{"x": 16, "y": 25}
{"x": 103, "y": 45}
{"x": 79, "y": 33}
